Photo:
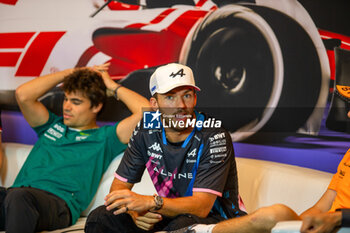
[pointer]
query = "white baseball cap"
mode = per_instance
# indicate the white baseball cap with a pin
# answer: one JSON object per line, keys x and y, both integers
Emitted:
{"x": 170, "y": 76}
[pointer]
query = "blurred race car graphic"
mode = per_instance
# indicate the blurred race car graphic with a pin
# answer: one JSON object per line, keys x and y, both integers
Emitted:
{"x": 262, "y": 65}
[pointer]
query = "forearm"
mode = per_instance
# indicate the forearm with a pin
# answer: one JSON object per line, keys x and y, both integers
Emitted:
{"x": 190, "y": 205}
{"x": 28, "y": 94}
{"x": 121, "y": 195}
{"x": 131, "y": 99}
{"x": 134, "y": 101}
{"x": 312, "y": 211}
{"x": 323, "y": 204}
{"x": 120, "y": 185}
{"x": 34, "y": 89}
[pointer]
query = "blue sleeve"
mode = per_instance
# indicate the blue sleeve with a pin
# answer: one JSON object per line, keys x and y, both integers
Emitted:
{"x": 215, "y": 163}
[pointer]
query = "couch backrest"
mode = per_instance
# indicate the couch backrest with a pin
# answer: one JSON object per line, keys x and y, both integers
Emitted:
{"x": 16, "y": 154}
{"x": 261, "y": 183}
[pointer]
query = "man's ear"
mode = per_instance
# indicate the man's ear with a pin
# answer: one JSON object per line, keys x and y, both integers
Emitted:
{"x": 154, "y": 103}
{"x": 97, "y": 108}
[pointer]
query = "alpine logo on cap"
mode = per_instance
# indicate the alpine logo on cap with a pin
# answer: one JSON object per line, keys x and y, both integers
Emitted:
{"x": 180, "y": 72}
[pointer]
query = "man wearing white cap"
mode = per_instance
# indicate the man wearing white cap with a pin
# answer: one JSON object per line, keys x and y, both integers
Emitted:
{"x": 330, "y": 212}
{"x": 190, "y": 160}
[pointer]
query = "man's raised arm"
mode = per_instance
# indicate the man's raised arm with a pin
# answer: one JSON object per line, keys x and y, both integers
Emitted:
{"x": 28, "y": 93}
{"x": 133, "y": 101}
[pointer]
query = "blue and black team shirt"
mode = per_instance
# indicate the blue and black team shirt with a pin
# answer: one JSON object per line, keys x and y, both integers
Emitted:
{"x": 204, "y": 162}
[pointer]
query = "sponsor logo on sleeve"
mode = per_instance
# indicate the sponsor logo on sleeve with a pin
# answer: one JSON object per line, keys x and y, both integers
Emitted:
{"x": 218, "y": 150}
{"x": 220, "y": 142}
{"x": 217, "y": 136}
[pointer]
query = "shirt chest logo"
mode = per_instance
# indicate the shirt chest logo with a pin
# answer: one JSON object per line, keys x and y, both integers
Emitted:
{"x": 342, "y": 173}
{"x": 156, "y": 151}
{"x": 55, "y": 132}
{"x": 193, "y": 153}
{"x": 156, "y": 147}
{"x": 82, "y": 136}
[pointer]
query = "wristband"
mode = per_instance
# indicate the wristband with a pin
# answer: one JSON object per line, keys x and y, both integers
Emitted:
{"x": 345, "y": 217}
{"x": 116, "y": 92}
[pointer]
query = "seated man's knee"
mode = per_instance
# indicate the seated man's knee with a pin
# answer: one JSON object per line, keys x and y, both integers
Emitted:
{"x": 17, "y": 196}
{"x": 95, "y": 220}
{"x": 267, "y": 217}
{"x": 102, "y": 220}
{"x": 98, "y": 213}
{"x": 283, "y": 213}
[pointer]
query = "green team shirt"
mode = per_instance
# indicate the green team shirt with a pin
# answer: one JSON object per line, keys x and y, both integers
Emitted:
{"x": 69, "y": 163}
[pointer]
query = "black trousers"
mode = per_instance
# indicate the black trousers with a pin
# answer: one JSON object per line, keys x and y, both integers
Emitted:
{"x": 29, "y": 209}
{"x": 102, "y": 221}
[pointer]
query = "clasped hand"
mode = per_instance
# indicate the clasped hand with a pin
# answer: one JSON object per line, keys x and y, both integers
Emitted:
{"x": 136, "y": 205}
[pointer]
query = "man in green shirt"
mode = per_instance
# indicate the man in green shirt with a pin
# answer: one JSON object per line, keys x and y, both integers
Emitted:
{"x": 64, "y": 168}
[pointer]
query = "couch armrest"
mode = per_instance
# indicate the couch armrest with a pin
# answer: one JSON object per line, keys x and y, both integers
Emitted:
{"x": 14, "y": 156}
{"x": 294, "y": 227}
{"x": 145, "y": 186}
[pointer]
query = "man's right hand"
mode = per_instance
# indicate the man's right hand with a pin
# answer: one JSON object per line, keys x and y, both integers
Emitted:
{"x": 110, "y": 84}
{"x": 146, "y": 221}
{"x": 321, "y": 223}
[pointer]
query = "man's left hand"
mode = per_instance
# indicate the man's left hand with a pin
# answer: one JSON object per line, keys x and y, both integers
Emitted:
{"x": 145, "y": 221}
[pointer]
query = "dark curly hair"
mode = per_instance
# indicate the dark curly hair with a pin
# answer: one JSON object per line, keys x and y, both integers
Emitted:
{"x": 87, "y": 82}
